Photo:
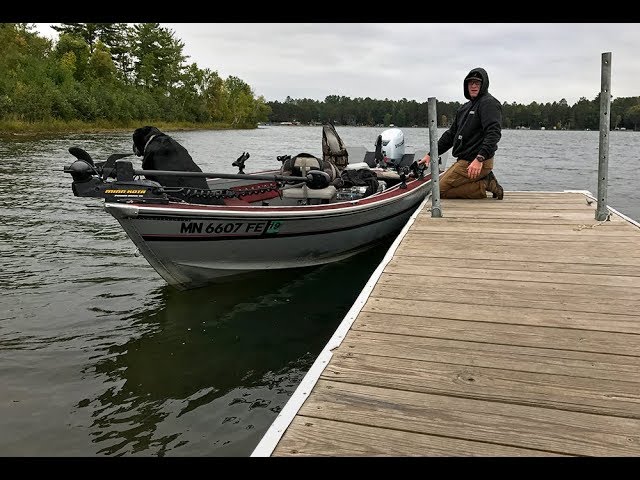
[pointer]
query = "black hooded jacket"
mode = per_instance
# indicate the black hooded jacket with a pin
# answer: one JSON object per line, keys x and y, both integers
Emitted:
{"x": 477, "y": 126}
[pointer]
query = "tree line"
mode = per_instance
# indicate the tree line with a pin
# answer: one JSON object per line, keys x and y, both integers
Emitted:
{"x": 584, "y": 114}
{"x": 138, "y": 73}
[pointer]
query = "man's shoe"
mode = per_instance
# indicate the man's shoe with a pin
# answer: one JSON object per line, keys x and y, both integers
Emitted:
{"x": 500, "y": 193}
{"x": 494, "y": 187}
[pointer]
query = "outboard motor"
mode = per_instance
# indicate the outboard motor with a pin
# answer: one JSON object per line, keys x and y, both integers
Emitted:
{"x": 392, "y": 146}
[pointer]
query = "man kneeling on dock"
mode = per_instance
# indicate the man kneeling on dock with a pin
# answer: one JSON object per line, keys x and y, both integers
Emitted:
{"x": 474, "y": 134}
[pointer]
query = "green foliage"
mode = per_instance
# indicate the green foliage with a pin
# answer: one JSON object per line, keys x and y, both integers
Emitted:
{"x": 633, "y": 116}
{"x": 101, "y": 65}
{"x": 88, "y": 32}
{"x": 116, "y": 73}
{"x": 159, "y": 57}
{"x": 61, "y": 106}
{"x": 73, "y": 53}
{"x": 585, "y": 114}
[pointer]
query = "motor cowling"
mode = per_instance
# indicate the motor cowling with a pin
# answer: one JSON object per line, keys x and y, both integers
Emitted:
{"x": 81, "y": 171}
{"x": 393, "y": 145}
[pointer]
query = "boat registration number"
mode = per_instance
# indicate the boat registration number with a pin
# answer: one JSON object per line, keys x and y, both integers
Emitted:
{"x": 230, "y": 228}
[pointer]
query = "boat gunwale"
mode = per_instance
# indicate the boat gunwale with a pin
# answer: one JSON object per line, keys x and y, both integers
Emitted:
{"x": 378, "y": 200}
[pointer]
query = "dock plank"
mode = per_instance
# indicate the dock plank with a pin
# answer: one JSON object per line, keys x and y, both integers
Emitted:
{"x": 436, "y": 265}
{"x": 558, "y": 431}
{"x": 517, "y": 271}
{"x": 551, "y": 390}
{"x": 514, "y": 315}
{"x": 455, "y": 351}
{"x": 320, "y": 437}
{"x": 555, "y": 296}
{"x": 506, "y": 333}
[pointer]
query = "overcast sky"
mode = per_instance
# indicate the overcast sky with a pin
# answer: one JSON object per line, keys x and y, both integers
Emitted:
{"x": 526, "y": 62}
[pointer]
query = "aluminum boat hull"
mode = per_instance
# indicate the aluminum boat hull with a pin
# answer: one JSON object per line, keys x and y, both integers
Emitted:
{"x": 192, "y": 245}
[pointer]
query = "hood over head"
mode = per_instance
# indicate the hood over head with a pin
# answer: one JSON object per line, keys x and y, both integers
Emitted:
{"x": 478, "y": 74}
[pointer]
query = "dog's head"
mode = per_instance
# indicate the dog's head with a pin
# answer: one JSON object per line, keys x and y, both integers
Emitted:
{"x": 141, "y": 136}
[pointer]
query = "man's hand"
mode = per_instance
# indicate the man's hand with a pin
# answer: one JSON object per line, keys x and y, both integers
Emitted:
{"x": 425, "y": 160}
{"x": 474, "y": 168}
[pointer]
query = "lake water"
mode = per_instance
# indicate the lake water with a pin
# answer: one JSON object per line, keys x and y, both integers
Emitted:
{"x": 99, "y": 357}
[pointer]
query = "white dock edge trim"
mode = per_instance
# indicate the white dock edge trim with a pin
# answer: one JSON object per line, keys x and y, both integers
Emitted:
{"x": 272, "y": 436}
{"x": 620, "y": 214}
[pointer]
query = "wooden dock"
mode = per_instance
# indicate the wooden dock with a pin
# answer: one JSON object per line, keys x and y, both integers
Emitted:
{"x": 505, "y": 328}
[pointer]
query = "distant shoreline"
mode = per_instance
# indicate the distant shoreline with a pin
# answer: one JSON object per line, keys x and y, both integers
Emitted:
{"x": 19, "y": 129}
{"x": 13, "y": 129}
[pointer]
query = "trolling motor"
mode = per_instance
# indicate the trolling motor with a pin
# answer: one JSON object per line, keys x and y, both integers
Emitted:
{"x": 90, "y": 179}
{"x": 101, "y": 169}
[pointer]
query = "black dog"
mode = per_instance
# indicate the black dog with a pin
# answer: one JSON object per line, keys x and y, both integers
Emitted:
{"x": 161, "y": 152}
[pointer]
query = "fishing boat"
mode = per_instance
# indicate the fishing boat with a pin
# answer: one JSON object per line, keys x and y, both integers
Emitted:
{"x": 310, "y": 210}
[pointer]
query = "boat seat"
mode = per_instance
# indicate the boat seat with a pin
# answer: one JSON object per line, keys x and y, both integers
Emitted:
{"x": 328, "y": 193}
{"x": 303, "y": 162}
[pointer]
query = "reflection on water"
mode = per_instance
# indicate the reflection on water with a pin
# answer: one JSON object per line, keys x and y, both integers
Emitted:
{"x": 214, "y": 366}
{"x": 98, "y": 356}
